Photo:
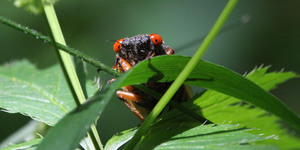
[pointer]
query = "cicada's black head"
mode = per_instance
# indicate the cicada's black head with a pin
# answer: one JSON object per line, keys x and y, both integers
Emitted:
{"x": 140, "y": 47}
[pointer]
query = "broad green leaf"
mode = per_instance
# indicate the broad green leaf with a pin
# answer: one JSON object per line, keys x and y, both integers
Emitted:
{"x": 41, "y": 94}
{"x": 182, "y": 132}
{"x": 120, "y": 139}
{"x": 221, "y": 108}
{"x": 211, "y": 76}
{"x": 68, "y": 132}
{"x": 26, "y": 145}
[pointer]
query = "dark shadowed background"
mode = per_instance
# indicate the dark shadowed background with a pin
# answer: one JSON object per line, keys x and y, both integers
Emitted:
{"x": 271, "y": 37}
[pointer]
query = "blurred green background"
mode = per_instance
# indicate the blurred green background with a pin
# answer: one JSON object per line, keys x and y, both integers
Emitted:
{"x": 271, "y": 37}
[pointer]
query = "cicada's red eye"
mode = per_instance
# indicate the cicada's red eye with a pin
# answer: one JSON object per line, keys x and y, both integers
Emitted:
{"x": 156, "y": 39}
{"x": 117, "y": 45}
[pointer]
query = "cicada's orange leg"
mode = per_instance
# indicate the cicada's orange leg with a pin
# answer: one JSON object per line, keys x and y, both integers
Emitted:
{"x": 169, "y": 51}
{"x": 127, "y": 96}
{"x": 125, "y": 65}
{"x": 116, "y": 63}
{"x": 133, "y": 109}
{"x": 121, "y": 65}
{"x": 150, "y": 54}
{"x": 115, "y": 66}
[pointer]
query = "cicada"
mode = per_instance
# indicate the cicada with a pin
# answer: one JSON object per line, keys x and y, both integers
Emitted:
{"x": 130, "y": 51}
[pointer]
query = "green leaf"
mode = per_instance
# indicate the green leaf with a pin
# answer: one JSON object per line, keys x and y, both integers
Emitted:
{"x": 188, "y": 136}
{"x": 42, "y": 95}
{"x": 73, "y": 127}
{"x": 221, "y": 108}
{"x": 120, "y": 139}
{"x": 185, "y": 133}
{"x": 26, "y": 145}
{"x": 211, "y": 76}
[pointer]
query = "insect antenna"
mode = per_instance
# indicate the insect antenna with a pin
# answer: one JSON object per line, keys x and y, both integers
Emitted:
{"x": 110, "y": 40}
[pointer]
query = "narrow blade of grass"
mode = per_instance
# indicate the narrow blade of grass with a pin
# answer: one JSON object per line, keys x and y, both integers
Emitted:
{"x": 67, "y": 65}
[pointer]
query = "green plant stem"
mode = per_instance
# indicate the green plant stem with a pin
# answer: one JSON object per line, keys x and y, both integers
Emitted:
{"x": 67, "y": 49}
{"x": 67, "y": 65}
{"x": 65, "y": 59}
{"x": 144, "y": 128}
